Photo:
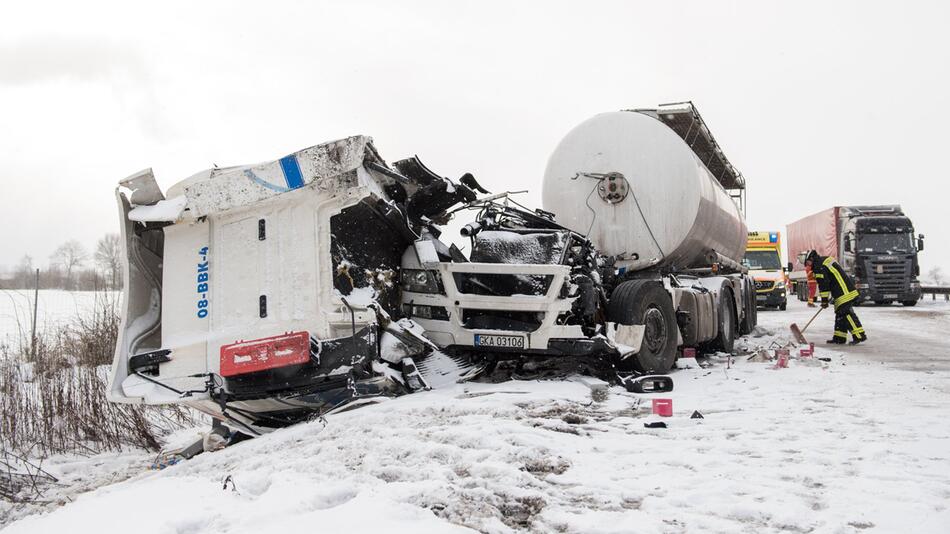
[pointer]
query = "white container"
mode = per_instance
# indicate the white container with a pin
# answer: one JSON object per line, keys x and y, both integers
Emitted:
{"x": 673, "y": 211}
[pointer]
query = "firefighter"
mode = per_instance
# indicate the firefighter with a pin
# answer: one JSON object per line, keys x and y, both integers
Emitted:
{"x": 834, "y": 283}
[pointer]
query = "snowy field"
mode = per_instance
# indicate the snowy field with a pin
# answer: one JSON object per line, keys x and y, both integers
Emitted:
{"x": 55, "y": 309}
{"x": 857, "y": 444}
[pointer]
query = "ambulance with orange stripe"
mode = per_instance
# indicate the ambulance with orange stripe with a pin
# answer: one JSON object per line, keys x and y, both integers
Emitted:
{"x": 763, "y": 257}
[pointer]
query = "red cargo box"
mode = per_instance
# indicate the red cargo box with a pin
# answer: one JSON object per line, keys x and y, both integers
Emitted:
{"x": 818, "y": 231}
{"x": 267, "y": 353}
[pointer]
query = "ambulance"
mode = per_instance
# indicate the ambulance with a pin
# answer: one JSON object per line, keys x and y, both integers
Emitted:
{"x": 763, "y": 258}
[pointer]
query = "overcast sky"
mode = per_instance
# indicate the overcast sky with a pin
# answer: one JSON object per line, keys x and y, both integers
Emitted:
{"x": 817, "y": 104}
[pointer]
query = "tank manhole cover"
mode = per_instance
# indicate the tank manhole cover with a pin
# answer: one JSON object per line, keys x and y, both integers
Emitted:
{"x": 613, "y": 188}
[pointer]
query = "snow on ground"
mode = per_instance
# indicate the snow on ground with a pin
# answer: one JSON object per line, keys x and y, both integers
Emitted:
{"x": 850, "y": 445}
{"x": 56, "y": 308}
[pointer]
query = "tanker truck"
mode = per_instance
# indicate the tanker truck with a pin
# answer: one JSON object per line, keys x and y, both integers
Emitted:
{"x": 635, "y": 255}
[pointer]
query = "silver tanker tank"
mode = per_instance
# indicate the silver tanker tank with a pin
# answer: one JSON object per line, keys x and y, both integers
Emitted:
{"x": 634, "y": 187}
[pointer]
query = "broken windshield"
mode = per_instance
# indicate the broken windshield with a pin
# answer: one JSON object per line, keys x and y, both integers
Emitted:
{"x": 499, "y": 246}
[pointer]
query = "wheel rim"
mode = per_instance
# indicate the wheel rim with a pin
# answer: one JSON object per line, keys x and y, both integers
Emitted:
{"x": 654, "y": 334}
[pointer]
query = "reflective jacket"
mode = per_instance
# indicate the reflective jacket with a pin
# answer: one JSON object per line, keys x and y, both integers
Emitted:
{"x": 833, "y": 282}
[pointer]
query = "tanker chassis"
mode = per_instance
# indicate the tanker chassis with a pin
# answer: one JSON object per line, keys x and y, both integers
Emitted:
{"x": 633, "y": 258}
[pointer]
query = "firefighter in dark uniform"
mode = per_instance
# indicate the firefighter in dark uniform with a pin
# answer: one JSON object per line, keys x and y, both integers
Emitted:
{"x": 835, "y": 284}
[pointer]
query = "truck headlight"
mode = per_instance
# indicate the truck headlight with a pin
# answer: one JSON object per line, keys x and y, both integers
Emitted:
{"x": 421, "y": 281}
{"x": 438, "y": 313}
{"x": 779, "y": 285}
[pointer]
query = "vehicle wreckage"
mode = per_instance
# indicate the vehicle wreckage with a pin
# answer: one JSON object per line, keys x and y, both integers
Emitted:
{"x": 267, "y": 294}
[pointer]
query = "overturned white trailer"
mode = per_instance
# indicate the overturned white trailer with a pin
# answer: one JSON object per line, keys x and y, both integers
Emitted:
{"x": 262, "y": 293}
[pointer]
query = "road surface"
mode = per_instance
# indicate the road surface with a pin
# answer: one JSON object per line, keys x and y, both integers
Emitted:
{"x": 912, "y": 338}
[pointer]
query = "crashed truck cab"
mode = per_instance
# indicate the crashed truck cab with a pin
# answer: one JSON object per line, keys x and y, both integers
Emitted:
{"x": 529, "y": 287}
{"x": 259, "y": 294}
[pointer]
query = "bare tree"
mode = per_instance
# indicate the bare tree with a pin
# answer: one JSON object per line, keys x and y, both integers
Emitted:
{"x": 107, "y": 256}
{"x": 23, "y": 275}
{"x": 936, "y": 276}
{"x": 70, "y": 255}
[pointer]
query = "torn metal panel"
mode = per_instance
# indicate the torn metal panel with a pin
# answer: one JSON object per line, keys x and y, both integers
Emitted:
{"x": 329, "y": 167}
{"x": 430, "y": 195}
{"x": 144, "y": 188}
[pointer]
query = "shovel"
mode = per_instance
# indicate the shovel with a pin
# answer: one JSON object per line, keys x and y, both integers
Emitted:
{"x": 799, "y": 335}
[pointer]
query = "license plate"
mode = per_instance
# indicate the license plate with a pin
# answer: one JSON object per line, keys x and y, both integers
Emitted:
{"x": 890, "y": 296}
{"x": 760, "y": 297}
{"x": 506, "y": 342}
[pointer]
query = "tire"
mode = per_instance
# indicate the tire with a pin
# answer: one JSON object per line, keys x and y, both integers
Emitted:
{"x": 751, "y": 310}
{"x": 645, "y": 302}
{"x": 783, "y": 306}
{"x": 726, "y": 339}
{"x": 909, "y": 302}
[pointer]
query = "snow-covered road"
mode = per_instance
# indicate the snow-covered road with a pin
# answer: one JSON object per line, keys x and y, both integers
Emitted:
{"x": 908, "y": 338}
{"x": 852, "y": 445}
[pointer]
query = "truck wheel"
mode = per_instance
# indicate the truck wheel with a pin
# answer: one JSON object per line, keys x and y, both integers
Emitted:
{"x": 645, "y": 302}
{"x": 783, "y": 305}
{"x": 909, "y": 302}
{"x": 726, "y": 339}
{"x": 751, "y": 309}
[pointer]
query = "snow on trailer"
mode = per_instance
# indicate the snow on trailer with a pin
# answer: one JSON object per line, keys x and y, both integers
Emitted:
{"x": 260, "y": 293}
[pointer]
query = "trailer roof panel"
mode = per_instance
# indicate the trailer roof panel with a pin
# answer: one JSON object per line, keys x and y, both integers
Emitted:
{"x": 684, "y": 119}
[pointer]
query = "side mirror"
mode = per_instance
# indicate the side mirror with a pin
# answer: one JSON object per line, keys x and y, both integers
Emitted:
{"x": 790, "y": 267}
{"x": 920, "y": 242}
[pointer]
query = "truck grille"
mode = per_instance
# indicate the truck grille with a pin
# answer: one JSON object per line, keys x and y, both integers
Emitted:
{"x": 888, "y": 276}
{"x": 502, "y": 285}
{"x": 516, "y": 321}
{"x": 762, "y": 285}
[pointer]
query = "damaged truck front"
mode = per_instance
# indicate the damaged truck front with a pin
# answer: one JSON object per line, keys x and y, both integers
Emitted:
{"x": 640, "y": 265}
{"x": 262, "y": 294}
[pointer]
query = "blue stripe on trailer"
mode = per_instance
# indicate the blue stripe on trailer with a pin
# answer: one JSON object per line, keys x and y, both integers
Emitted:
{"x": 291, "y": 172}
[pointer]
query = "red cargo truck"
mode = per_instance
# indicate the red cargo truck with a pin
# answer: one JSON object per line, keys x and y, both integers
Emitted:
{"x": 874, "y": 244}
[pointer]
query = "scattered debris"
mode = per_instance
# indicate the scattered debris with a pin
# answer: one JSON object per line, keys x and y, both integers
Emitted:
{"x": 649, "y": 384}
{"x": 663, "y": 407}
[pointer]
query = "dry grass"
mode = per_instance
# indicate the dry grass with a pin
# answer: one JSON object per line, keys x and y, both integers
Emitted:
{"x": 54, "y": 401}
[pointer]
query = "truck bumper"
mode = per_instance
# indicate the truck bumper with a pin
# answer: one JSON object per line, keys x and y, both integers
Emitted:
{"x": 772, "y": 298}
{"x": 876, "y": 295}
{"x": 499, "y": 323}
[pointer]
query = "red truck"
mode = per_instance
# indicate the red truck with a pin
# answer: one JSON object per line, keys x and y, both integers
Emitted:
{"x": 874, "y": 244}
